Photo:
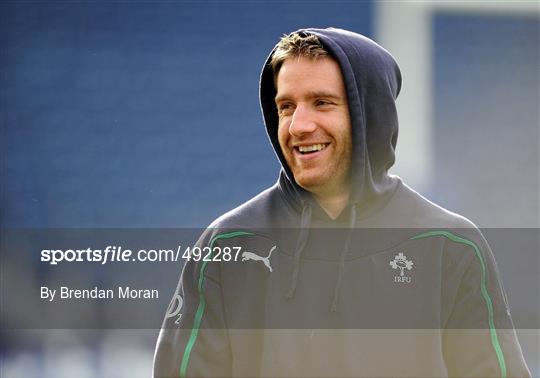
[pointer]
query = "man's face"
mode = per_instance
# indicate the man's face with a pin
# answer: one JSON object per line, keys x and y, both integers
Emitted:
{"x": 314, "y": 124}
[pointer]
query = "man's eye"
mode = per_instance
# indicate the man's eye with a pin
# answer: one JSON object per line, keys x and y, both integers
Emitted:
{"x": 322, "y": 102}
{"x": 285, "y": 108}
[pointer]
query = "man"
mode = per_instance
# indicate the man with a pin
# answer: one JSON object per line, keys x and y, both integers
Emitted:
{"x": 341, "y": 270}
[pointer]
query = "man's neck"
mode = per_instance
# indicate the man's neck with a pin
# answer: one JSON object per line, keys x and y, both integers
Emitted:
{"x": 334, "y": 204}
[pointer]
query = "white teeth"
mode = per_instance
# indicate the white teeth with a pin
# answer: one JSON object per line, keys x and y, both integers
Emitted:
{"x": 313, "y": 147}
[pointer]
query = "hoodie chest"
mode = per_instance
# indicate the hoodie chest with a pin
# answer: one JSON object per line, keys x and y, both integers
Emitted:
{"x": 398, "y": 287}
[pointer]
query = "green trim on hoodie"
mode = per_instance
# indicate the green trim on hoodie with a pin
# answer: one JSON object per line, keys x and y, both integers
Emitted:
{"x": 489, "y": 303}
{"x": 202, "y": 302}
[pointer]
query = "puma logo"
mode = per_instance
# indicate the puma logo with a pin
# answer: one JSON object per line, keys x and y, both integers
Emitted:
{"x": 266, "y": 260}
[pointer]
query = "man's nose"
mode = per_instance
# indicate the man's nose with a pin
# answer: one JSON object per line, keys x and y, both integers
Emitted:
{"x": 302, "y": 121}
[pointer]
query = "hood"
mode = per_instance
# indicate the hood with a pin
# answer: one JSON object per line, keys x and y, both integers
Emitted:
{"x": 372, "y": 82}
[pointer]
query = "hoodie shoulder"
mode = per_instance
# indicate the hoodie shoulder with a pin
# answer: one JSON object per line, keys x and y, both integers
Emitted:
{"x": 258, "y": 212}
{"x": 409, "y": 209}
{"x": 427, "y": 214}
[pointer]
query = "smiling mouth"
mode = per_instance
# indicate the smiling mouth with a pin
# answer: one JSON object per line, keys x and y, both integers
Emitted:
{"x": 304, "y": 150}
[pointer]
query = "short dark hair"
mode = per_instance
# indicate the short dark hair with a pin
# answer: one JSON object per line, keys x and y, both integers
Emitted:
{"x": 296, "y": 45}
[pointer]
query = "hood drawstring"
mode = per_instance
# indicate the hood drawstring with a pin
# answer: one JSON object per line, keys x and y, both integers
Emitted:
{"x": 352, "y": 225}
{"x": 300, "y": 244}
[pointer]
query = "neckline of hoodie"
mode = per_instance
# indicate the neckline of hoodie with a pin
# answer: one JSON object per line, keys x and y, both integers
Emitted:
{"x": 382, "y": 202}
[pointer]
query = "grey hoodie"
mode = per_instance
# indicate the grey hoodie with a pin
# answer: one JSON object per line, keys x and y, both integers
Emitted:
{"x": 395, "y": 286}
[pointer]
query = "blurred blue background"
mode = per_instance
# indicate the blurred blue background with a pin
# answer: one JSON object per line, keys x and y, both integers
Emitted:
{"x": 146, "y": 114}
{"x": 140, "y": 114}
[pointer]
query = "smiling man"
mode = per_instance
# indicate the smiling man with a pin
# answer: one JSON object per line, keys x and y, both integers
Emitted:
{"x": 314, "y": 129}
{"x": 341, "y": 269}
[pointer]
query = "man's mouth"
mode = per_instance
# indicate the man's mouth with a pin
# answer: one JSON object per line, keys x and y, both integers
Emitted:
{"x": 311, "y": 148}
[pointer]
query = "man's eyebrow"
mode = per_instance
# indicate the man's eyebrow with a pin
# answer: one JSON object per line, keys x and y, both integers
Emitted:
{"x": 315, "y": 94}
{"x": 324, "y": 94}
{"x": 279, "y": 98}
